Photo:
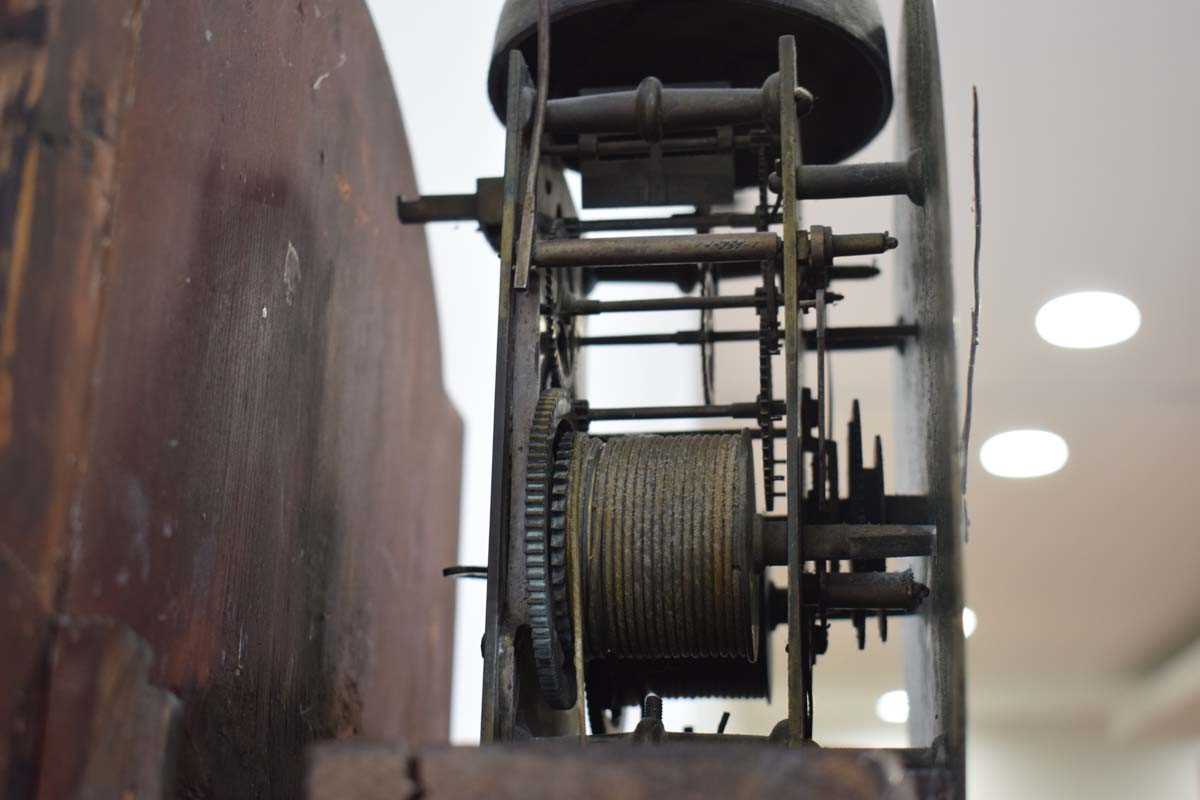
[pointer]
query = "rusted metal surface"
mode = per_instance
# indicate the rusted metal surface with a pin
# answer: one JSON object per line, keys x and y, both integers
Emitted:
{"x": 831, "y": 181}
{"x": 198, "y": 236}
{"x": 656, "y": 249}
{"x": 748, "y": 409}
{"x": 510, "y": 699}
{"x": 896, "y": 591}
{"x": 668, "y": 537}
{"x": 644, "y": 771}
{"x": 546, "y": 554}
{"x": 893, "y": 593}
{"x": 651, "y": 110}
{"x": 927, "y": 415}
{"x": 575, "y": 306}
{"x": 645, "y": 518}
{"x": 667, "y": 527}
{"x": 858, "y": 244}
{"x": 672, "y": 222}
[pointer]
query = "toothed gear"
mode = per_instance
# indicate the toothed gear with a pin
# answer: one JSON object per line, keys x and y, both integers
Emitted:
{"x": 547, "y": 598}
{"x": 558, "y": 341}
{"x": 561, "y": 599}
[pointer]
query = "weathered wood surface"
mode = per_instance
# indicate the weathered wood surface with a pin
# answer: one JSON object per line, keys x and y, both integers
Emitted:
{"x": 363, "y": 771}
{"x": 221, "y": 414}
{"x": 108, "y": 732}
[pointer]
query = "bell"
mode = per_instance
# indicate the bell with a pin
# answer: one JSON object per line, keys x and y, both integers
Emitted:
{"x": 613, "y": 44}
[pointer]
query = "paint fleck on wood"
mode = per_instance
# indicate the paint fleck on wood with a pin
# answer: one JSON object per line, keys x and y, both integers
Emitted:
{"x": 291, "y": 273}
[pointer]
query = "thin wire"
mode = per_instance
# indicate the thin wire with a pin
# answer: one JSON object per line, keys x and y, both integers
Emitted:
{"x": 966, "y": 432}
{"x": 464, "y": 572}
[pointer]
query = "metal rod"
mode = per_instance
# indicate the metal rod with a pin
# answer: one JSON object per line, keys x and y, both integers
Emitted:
{"x": 862, "y": 244}
{"x": 848, "y": 338}
{"x": 667, "y": 223}
{"x": 853, "y": 614}
{"x": 640, "y": 147}
{"x": 436, "y": 208}
{"x": 877, "y": 179}
{"x": 462, "y": 571}
{"x": 624, "y": 251}
{"x": 893, "y": 592}
{"x": 651, "y": 110}
{"x": 685, "y": 276}
{"x": 863, "y": 337}
{"x": 732, "y": 410}
{"x": 485, "y": 206}
{"x": 694, "y": 432}
{"x": 899, "y": 509}
{"x": 840, "y": 613}
{"x": 868, "y": 590}
{"x": 576, "y": 307}
{"x": 703, "y": 247}
{"x": 679, "y": 337}
{"x": 855, "y": 272}
{"x": 845, "y": 542}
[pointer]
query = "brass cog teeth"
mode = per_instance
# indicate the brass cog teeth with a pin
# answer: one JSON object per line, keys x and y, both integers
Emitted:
{"x": 545, "y": 550}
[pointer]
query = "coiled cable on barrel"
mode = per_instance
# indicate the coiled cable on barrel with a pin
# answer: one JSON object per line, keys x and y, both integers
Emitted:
{"x": 666, "y": 523}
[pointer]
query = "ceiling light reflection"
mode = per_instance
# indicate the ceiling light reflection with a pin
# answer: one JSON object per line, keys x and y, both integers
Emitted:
{"x": 1084, "y": 320}
{"x": 1024, "y": 454}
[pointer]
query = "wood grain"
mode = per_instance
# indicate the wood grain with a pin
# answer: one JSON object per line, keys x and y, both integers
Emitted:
{"x": 605, "y": 770}
{"x": 222, "y": 421}
{"x": 108, "y": 732}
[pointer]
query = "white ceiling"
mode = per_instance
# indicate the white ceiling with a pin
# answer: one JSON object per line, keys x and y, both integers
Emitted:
{"x": 1089, "y": 171}
{"x": 1087, "y": 578}
{"x": 1086, "y": 581}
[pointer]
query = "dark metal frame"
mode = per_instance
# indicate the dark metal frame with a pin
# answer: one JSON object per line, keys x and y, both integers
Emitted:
{"x": 818, "y": 528}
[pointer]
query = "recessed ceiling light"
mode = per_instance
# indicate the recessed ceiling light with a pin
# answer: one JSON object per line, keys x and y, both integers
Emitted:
{"x": 969, "y": 622}
{"x": 892, "y": 706}
{"x": 1088, "y": 319}
{"x": 1023, "y": 454}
